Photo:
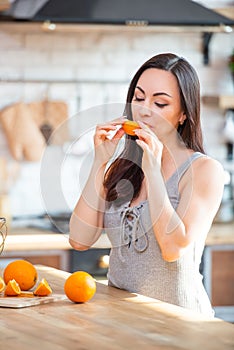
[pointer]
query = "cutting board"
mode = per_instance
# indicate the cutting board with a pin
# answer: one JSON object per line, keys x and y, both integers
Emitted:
{"x": 28, "y": 299}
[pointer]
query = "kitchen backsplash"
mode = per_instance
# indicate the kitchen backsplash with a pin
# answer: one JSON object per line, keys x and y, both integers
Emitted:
{"x": 88, "y": 70}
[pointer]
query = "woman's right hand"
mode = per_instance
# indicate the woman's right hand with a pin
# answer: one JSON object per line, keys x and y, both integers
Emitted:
{"x": 104, "y": 144}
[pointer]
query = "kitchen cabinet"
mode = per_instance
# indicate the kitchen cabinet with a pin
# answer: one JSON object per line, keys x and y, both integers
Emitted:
{"x": 52, "y": 249}
{"x": 218, "y": 269}
{"x": 36, "y": 246}
{"x": 218, "y": 272}
{"x": 55, "y": 258}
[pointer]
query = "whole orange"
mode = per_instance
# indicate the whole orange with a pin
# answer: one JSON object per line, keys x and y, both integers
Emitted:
{"x": 23, "y": 272}
{"x": 80, "y": 287}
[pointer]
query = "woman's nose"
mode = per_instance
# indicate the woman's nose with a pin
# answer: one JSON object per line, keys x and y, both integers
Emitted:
{"x": 145, "y": 110}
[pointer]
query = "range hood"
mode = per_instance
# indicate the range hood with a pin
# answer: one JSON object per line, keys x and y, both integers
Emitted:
{"x": 121, "y": 12}
{"x": 156, "y": 15}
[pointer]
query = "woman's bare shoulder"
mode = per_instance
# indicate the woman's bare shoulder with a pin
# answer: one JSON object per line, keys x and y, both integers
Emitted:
{"x": 205, "y": 173}
{"x": 209, "y": 165}
{"x": 209, "y": 174}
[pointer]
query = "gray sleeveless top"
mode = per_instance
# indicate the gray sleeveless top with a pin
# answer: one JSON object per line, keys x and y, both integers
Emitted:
{"x": 136, "y": 263}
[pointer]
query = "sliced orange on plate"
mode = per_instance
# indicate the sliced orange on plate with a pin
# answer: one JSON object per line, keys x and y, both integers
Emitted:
{"x": 43, "y": 289}
{"x": 12, "y": 289}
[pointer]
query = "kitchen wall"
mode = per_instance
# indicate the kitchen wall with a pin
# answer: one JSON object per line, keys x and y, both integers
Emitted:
{"x": 89, "y": 70}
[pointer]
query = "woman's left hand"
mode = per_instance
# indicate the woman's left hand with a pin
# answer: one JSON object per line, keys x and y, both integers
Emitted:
{"x": 152, "y": 147}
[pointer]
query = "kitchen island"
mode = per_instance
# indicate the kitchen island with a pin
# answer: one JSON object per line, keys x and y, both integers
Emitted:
{"x": 112, "y": 319}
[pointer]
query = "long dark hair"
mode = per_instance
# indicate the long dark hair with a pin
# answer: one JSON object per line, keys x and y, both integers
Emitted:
{"x": 128, "y": 164}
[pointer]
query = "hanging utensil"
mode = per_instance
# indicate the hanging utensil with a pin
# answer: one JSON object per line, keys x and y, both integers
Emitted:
{"x": 46, "y": 128}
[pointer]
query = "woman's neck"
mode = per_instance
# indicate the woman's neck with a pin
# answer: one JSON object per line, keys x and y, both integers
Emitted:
{"x": 173, "y": 155}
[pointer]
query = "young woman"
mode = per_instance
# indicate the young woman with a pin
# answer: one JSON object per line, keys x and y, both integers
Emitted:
{"x": 157, "y": 199}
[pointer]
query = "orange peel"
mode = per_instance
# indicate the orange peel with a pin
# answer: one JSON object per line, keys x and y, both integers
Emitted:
{"x": 129, "y": 126}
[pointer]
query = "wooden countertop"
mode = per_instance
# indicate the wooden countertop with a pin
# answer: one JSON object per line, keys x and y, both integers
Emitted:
{"x": 221, "y": 233}
{"x": 18, "y": 238}
{"x": 114, "y": 319}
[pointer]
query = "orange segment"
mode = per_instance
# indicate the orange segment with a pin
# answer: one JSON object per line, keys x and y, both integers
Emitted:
{"x": 23, "y": 272}
{"x": 80, "y": 287}
{"x": 43, "y": 289}
{"x": 2, "y": 285}
{"x": 12, "y": 288}
{"x": 129, "y": 126}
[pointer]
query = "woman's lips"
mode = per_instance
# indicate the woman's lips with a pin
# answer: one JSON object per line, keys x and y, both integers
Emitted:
{"x": 146, "y": 124}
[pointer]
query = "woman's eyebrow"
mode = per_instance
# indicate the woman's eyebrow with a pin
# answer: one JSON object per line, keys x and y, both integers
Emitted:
{"x": 161, "y": 93}
{"x": 155, "y": 94}
{"x": 138, "y": 87}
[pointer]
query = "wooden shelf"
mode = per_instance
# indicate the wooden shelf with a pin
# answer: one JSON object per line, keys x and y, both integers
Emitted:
{"x": 224, "y": 102}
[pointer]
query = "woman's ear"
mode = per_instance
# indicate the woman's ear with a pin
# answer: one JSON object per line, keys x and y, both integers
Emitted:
{"x": 182, "y": 118}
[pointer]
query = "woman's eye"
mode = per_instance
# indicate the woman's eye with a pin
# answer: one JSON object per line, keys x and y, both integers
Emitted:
{"x": 138, "y": 99}
{"x": 161, "y": 105}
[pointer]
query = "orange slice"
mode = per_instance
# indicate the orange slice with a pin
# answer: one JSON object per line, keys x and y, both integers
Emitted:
{"x": 129, "y": 126}
{"x": 12, "y": 288}
{"x": 2, "y": 285}
{"x": 43, "y": 289}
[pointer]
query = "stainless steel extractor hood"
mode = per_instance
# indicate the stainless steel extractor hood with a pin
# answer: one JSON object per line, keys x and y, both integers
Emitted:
{"x": 158, "y": 15}
{"x": 121, "y": 12}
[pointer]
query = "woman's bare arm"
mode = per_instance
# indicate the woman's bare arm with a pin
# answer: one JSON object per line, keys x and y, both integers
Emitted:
{"x": 87, "y": 218}
{"x": 86, "y": 223}
{"x": 200, "y": 190}
{"x": 200, "y": 196}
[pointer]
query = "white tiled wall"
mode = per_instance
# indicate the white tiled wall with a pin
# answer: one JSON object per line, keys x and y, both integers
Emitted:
{"x": 97, "y": 67}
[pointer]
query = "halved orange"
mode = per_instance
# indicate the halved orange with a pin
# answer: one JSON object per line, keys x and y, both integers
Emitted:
{"x": 12, "y": 288}
{"x": 43, "y": 289}
{"x": 2, "y": 285}
{"x": 129, "y": 126}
